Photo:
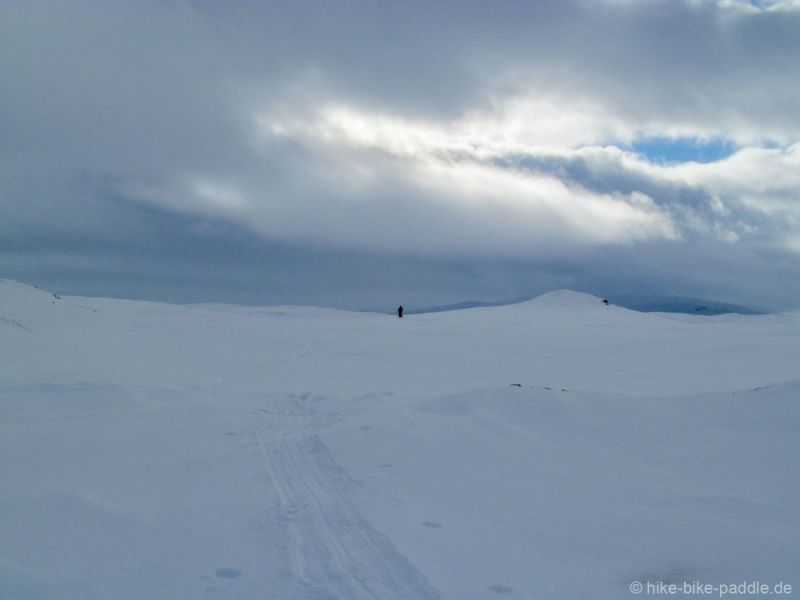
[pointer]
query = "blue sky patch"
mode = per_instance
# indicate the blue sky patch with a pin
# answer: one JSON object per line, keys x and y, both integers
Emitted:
{"x": 679, "y": 150}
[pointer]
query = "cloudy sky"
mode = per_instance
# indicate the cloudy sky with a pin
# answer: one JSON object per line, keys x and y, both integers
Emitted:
{"x": 363, "y": 154}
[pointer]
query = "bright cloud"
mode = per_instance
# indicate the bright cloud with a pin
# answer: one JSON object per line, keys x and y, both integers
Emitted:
{"x": 451, "y": 166}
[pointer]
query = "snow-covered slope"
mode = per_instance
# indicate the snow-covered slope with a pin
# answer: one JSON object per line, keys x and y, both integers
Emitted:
{"x": 557, "y": 448}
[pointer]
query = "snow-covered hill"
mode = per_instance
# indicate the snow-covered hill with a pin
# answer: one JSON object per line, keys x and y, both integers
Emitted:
{"x": 557, "y": 448}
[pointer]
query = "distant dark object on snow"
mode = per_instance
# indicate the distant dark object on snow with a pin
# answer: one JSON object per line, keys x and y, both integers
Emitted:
{"x": 400, "y": 311}
{"x": 605, "y": 301}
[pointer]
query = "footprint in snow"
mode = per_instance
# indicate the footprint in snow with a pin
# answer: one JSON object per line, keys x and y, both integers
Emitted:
{"x": 500, "y": 589}
{"x": 227, "y": 573}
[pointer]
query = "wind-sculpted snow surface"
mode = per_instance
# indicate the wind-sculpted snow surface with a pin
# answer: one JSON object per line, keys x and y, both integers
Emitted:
{"x": 558, "y": 448}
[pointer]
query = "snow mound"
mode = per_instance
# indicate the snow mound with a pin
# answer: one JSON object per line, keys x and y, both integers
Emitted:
{"x": 566, "y": 299}
{"x": 13, "y": 292}
{"x": 563, "y": 302}
{"x": 21, "y": 304}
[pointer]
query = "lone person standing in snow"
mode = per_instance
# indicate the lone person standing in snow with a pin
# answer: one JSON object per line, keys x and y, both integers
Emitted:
{"x": 400, "y": 311}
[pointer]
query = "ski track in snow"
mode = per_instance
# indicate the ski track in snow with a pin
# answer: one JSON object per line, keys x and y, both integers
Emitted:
{"x": 334, "y": 552}
{"x": 259, "y": 367}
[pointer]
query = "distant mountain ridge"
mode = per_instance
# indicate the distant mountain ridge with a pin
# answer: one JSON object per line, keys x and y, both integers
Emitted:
{"x": 640, "y": 303}
{"x": 694, "y": 306}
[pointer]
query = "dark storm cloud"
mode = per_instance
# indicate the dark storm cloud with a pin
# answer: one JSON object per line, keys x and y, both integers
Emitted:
{"x": 343, "y": 153}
